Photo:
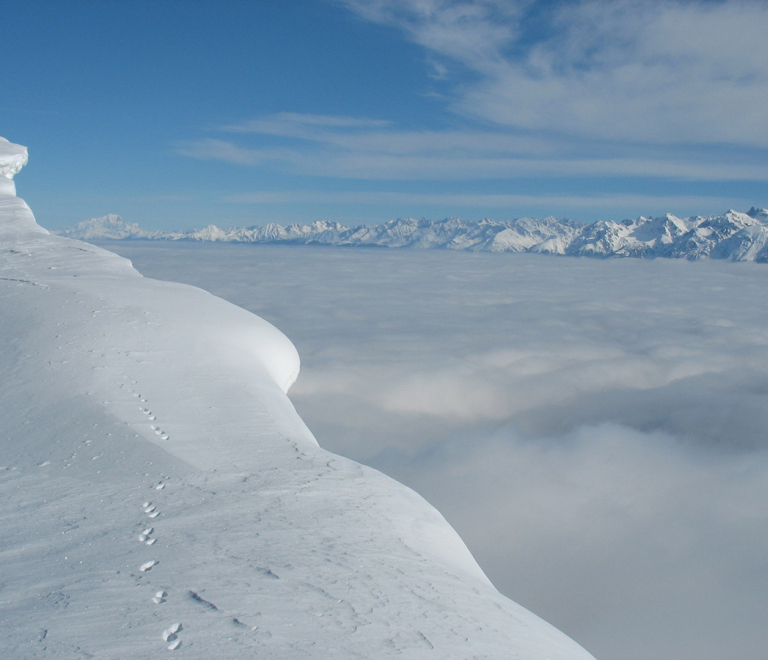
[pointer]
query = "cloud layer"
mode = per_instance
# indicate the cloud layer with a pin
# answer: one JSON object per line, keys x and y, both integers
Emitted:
{"x": 594, "y": 429}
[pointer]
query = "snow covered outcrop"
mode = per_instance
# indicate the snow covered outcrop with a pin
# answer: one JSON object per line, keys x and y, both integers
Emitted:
{"x": 15, "y": 216}
{"x": 734, "y": 236}
{"x": 161, "y": 494}
{"x": 12, "y": 158}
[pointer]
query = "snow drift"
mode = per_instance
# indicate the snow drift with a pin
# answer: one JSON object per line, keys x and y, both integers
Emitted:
{"x": 161, "y": 494}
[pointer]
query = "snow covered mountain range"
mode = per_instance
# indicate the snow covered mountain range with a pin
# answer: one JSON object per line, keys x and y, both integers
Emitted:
{"x": 734, "y": 236}
{"x": 159, "y": 493}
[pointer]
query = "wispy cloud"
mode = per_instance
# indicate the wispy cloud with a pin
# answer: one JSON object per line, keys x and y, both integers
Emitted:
{"x": 668, "y": 90}
{"x": 661, "y": 71}
{"x": 294, "y": 124}
{"x": 210, "y": 149}
{"x": 462, "y": 156}
{"x": 477, "y": 201}
{"x": 474, "y": 33}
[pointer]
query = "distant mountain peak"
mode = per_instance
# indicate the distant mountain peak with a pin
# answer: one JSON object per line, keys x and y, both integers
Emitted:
{"x": 733, "y": 235}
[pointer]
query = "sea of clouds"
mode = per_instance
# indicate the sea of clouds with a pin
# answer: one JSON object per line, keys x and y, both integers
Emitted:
{"x": 597, "y": 431}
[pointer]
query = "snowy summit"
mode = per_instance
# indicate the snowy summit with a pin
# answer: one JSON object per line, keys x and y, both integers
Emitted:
{"x": 161, "y": 495}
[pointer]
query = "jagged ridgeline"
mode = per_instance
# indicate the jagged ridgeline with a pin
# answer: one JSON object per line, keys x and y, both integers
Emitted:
{"x": 733, "y": 236}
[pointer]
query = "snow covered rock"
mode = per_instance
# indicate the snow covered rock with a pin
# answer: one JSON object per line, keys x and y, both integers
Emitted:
{"x": 160, "y": 493}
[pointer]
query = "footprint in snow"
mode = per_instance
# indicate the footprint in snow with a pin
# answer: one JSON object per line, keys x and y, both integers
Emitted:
{"x": 171, "y": 635}
{"x": 144, "y": 537}
{"x": 150, "y": 509}
{"x": 148, "y": 566}
{"x": 163, "y": 435}
{"x": 160, "y": 597}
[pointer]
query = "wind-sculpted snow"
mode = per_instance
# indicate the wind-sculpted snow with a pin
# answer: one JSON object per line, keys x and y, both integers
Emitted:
{"x": 161, "y": 494}
{"x": 12, "y": 158}
{"x": 733, "y": 236}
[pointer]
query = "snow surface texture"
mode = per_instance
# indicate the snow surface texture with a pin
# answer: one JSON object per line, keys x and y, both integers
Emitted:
{"x": 733, "y": 236}
{"x": 161, "y": 495}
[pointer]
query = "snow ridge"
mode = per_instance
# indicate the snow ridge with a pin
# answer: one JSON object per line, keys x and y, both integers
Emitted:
{"x": 733, "y": 236}
{"x": 160, "y": 493}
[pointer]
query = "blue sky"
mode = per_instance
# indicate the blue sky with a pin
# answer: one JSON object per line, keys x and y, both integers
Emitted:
{"x": 180, "y": 114}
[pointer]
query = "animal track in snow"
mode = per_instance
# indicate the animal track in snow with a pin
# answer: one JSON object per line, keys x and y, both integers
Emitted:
{"x": 163, "y": 435}
{"x": 148, "y": 566}
{"x": 160, "y": 597}
{"x": 148, "y": 413}
{"x": 171, "y": 635}
{"x": 150, "y": 509}
{"x": 145, "y": 538}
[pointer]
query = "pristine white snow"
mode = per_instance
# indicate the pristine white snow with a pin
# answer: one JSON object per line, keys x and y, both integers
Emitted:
{"x": 161, "y": 495}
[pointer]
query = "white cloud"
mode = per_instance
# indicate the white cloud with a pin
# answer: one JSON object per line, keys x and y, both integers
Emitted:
{"x": 470, "y": 32}
{"x": 656, "y": 72}
{"x": 666, "y": 90}
{"x": 477, "y": 201}
{"x": 294, "y": 124}
{"x": 436, "y": 157}
{"x": 221, "y": 150}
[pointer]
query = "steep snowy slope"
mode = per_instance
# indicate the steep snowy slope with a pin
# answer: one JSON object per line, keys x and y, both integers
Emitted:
{"x": 161, "y": 495}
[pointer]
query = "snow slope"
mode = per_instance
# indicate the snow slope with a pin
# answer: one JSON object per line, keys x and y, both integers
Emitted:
{"x": 161, "y": 495}
{"x": 733, "y": 236}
